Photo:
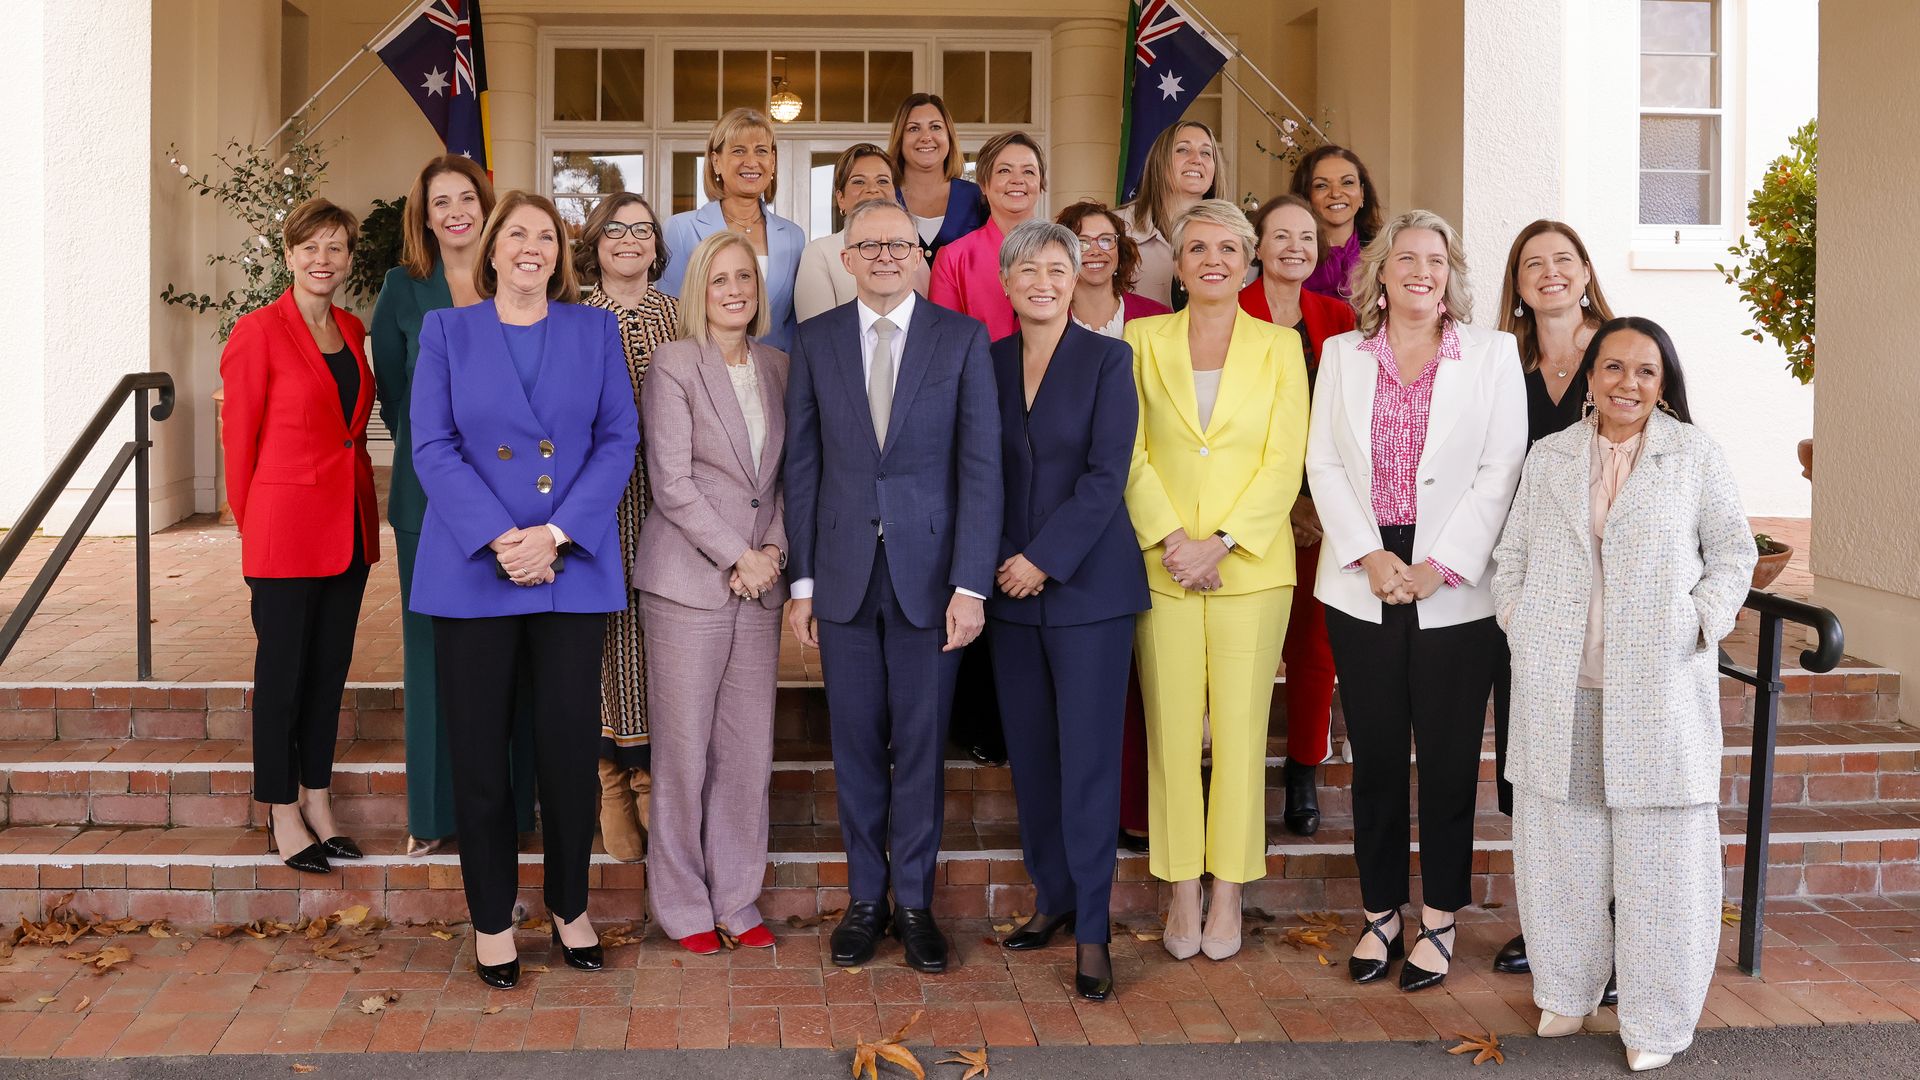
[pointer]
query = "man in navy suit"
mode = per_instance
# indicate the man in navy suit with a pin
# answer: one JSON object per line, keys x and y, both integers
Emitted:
{"x": 893, "y": 516}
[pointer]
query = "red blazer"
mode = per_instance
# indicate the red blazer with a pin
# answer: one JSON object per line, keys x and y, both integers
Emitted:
{"x": 297, "y": 474}
{"x": 1324, "y": 315}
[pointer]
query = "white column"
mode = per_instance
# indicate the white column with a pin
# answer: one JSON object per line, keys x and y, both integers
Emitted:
{"x": 512, "y": 70}
{"x": 1084, "y": 110}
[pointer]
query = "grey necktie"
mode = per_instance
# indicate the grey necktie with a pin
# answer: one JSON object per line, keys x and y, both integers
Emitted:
{"x": 880, "y": 377}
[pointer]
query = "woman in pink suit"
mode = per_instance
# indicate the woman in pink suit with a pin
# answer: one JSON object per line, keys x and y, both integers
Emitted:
{"x": 708, "y": 570}
{"x": 966, "y": 274}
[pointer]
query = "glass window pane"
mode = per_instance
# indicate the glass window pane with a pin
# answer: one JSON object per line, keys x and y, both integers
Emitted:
{"x": 1678, "y": 82}
{"x": 798, "y": 69}
{"x": 598, "y": 172}
{"x": 1010, "y": 92}
{"x": 963, "y": 86}
{"x": 889, "y": 80}
{"x": 573, "y": 76}
{"x": 574, "y": 211}
{"x": 1677, "y": 142}
{"x": 623, "y": 82}
{"x": 843, "y": 86}
{"x": 696, "y": 84}
{"x": 743, "y": 81}
{"x": 1676, "y": 26}
{"x": 688, "y": 194}
{"x": 1675, "y": 199}
{"x": 972, "y": 159}
{"x": 826, "y": 214}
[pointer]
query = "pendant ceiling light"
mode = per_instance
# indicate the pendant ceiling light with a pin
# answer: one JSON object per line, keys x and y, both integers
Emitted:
{"x": 785, "y": 105}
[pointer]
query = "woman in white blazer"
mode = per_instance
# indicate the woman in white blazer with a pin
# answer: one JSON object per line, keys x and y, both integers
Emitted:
{"x": 1624, "y": 562}
{"x": 1419, "y": 428}
{"x": 862, "y": 172}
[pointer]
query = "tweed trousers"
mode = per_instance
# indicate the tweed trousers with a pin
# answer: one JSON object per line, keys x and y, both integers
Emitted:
{"x": 1661, "y": 868}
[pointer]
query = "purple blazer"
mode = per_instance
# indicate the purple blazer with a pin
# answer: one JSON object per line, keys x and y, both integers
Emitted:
{"x": 712, "y": 500}
{"x": 493, "y": 458}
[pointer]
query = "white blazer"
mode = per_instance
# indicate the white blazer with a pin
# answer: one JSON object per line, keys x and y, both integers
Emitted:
{"x": 1476, "y": 442}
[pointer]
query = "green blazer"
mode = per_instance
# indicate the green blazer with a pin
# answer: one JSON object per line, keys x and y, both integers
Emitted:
{"x": 404, "y": 302}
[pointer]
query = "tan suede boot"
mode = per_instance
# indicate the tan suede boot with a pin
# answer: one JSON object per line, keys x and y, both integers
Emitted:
{"x": 619, "y": 830}
{"x": 642, "y": 782}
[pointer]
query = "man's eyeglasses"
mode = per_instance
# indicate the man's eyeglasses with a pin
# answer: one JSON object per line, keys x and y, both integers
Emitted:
{"x": 870, "y": 249}
{"x": 615, "y": 230}
{"x": 1105, "y": 242}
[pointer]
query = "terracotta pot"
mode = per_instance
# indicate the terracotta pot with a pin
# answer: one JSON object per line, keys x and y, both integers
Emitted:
{"x": 1806, "y": 458}
{"x": 1770, "y": 565}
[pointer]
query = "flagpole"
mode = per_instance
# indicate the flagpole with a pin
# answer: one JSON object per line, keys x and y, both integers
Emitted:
{"x": 351, "y": 60}
{"x": 1238, "y": 54}
{"x": 371, "y": 72}
{"x": 1255, "y": 102}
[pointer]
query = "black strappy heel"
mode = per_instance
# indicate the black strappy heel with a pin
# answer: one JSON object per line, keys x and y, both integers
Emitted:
{"x": 1366, "y": 971}
{"x": 1413, "y": 976}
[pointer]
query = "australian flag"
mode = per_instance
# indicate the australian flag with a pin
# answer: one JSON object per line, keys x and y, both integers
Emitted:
{"x": 1171, "y": 61}
{"x": 437, "y": 55}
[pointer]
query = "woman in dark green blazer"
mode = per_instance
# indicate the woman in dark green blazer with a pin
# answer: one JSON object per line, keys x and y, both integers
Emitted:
{"x": 445, "y": 214}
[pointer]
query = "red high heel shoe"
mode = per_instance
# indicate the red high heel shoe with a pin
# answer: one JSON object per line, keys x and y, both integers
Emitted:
{"x": 704, "y": 943}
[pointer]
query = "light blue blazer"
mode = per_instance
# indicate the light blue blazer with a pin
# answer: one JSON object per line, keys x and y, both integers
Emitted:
{"x": 785, "y": 241}
{"x": 492, "y": 458}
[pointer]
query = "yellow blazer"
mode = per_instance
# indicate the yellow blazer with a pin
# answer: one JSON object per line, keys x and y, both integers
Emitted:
{"x": 1242, "y": 473}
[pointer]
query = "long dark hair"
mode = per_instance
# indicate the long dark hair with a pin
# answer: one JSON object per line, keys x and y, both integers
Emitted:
{"x": 1673, "y": 381}
{"x": 1365, "y": 223}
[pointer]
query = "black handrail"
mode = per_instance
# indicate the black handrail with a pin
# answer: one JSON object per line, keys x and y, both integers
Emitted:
{"x": 1764, "y": 677}
{"x": 135, "y": 452}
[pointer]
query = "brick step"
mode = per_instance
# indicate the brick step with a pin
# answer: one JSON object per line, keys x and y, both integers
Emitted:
{"x": 198, "y": 875}
{"x": 181, "y": 782}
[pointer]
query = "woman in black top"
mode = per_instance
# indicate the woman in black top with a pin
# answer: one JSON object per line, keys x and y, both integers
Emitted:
{"x": 1551, "y": 301}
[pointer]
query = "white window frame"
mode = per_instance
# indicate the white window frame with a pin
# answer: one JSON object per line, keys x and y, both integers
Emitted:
{"x": 1696, "y": 247}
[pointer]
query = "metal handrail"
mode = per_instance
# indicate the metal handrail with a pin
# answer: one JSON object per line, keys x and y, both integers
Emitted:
{"x": 1764, "y": 677}
{"x": 135, "y": 452}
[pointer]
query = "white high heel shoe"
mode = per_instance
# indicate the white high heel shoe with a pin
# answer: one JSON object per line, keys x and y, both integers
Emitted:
{"x": 1644, "y": 1060}
{"x": 1553, "y": 1025}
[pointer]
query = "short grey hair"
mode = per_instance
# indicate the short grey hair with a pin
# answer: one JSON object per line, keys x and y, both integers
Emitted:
{"x": 1029, "y": 237}
{"x": 1217, "y": 212}
{"x": 872, "y": 206}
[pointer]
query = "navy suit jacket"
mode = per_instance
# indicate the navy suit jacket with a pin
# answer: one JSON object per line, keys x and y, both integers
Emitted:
{"x": 1066, "y": 463}
{"x": 482, "y": 447}
{"x": 935, "y": 482}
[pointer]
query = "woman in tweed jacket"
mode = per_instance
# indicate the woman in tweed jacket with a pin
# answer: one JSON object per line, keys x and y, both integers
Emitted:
{"x": 1623, "y": 563}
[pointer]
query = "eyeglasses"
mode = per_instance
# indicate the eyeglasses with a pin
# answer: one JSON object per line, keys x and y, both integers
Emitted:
{"x": 870, "y": 249}
{"x": 1105, "y": 242}
{"x": 641, "y": 230}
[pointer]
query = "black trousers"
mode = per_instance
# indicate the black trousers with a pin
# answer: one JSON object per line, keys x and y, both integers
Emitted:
{"x": 1430, "y": 687}
{"x": 479, "y": 662}
{"x": 304, "y": 631}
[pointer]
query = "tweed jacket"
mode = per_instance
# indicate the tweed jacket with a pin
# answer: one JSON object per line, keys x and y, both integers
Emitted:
{"x": 1678, "y": 558}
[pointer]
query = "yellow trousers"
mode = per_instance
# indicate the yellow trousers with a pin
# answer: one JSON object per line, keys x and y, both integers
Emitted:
{"x": 1213, "y": 657}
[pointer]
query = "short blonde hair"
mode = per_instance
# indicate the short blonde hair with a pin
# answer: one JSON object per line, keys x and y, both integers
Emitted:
{"x": 1216, "y": 212}
{"x": 693, "y": 293}
{"x": 562, "y": 286}
{"x": 1367, "y": 289}
{"x": 731, "y": 127}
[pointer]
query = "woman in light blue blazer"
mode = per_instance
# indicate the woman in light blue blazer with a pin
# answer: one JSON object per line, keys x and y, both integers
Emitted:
{"x": 739, "y": 181}
{"x": 524, "y": 432}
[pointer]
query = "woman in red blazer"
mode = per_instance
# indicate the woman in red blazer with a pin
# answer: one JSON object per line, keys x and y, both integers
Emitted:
{"x": 294, "y": 426}
{"x": 1289, "y": 249}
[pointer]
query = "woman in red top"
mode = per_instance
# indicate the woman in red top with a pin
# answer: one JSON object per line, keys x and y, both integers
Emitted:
{"x": 1289, "y": 251}
{"x": 294, "y": 426}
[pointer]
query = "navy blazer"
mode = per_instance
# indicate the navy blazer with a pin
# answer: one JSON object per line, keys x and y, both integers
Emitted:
{"x": 935, "y": 481}
{"x": 966, "y": 211}
{"x": 491, "y": 459}
{"x": 1066, "y": 463}
{"x": 785, "y": 241}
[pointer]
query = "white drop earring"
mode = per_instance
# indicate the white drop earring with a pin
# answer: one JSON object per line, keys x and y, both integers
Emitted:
{"x": 1584, "y": 302}
{"x": 1518, "y": 311}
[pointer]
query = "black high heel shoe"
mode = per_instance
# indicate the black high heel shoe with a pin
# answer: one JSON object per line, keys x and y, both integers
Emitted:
{"x": 342, "y": 847}
{"x": 1090, "y": 986}
{"x": 311, "y": 859}
{"x": 1413, "y": 976}
{"x": 499, "y": 976}
{"x": 1037, "y": 934}
{"x": 586, "y": 957}
{"x": 1366, "y": 971}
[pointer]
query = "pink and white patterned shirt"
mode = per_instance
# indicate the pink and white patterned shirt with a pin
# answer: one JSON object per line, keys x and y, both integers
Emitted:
{"x": 1399, "y": 431}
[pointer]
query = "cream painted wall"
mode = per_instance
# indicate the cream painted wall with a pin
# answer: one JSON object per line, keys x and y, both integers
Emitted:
{"x": 1866, "y": 497}
{"x": 23, "y": 281}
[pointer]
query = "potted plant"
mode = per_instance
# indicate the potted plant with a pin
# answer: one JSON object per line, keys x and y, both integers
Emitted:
{"x": 1776, "y": 270}
{"x": 1774, "y": 556}
{"x": 381, "y": 244}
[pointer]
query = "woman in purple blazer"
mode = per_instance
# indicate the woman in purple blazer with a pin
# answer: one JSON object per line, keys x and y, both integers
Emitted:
{"x": 708, "y": 572}
{"x": 524, "y": 432}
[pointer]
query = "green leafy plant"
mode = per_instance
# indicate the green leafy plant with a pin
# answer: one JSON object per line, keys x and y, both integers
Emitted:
{"x": 381, "y": 244}
{"x": 1296, "y": 141}
{"x": 1767, "y": 545}
{"x": 1776, "y": 272}
{"x": 260, "y": 188}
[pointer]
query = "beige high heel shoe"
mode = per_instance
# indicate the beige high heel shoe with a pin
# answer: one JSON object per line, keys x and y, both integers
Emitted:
{"x": 1226, "y": 905}
{"x": 1553, "y": 1025}
{"x": 1645, "y": 1060}
{"x": 1182, "y": 946}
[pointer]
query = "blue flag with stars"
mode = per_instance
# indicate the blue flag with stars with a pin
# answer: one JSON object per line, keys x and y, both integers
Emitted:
{"x": 436, "y": 53}
{"x": 1170, "y": 60}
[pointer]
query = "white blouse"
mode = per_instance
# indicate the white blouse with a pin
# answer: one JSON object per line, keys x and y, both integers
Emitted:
{"x": 746, "y": 390}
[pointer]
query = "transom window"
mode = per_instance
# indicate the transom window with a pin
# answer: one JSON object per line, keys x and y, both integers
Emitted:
{"x": 1681, "y": 115}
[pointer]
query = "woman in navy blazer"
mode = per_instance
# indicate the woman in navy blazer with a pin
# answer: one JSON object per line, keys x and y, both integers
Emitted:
{"x": 1069, "y": 585}
{"x": 524, "y": 431}
{"x": 739, "y": 182}
{"x": 927, "y": 167}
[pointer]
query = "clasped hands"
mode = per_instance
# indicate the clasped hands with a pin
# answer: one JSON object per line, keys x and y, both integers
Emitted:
{"x": 1194, "y": 563}
{"x": 1019, "y": 578}
{"x": 755, "y": 573}
{"x": 526, "y": 554}
{"x": 1394, "y": 582}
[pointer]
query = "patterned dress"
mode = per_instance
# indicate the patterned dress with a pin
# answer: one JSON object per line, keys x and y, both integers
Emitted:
{"x": 623, "y": 682}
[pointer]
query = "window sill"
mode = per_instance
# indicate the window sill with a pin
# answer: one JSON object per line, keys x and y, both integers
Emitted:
{"x": 1696, "y": 255}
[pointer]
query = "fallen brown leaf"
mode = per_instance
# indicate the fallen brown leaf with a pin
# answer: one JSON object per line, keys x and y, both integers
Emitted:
{"x": 1324, "y": 961}
{"x": 1146, "y": 935}
{"x": 222, "y": 930}
{"x": 299, "y": 1068}
{"x": 491, "y": 1009}
{"x": 540, "y": 969}
{"x": 616, "y": 936}
{"x": 84, "y": 1002}
{"x": 61, "y": 926}
{"x": 159, "y": 929}
{"x": 1494, "y": 905}
{"x": 804, "y": 922}
{"x": 377, "y": 1002}
{"x": 868, "y": 1055}
{"x": 105, "y": 959}
{"x": 1003, "y": 928}
{"x": 46, "y": 999}
{"x": 1484, "y": 1048}
{"x": 334, "y": 947}
{"x": 1299, "y": 937}
{"x": 539, "y": 924}
{"x": 1327, "y": 922}
{"x": 1729, "y": 913}
{"x": 443, "y": 935}
{"x": 112, "y": 927}
{"x": 976, "y": 1060}
{"x": 351, "y": 916}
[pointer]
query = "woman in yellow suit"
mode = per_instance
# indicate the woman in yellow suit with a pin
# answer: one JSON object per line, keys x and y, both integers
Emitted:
{"x": 1216, "y": 468}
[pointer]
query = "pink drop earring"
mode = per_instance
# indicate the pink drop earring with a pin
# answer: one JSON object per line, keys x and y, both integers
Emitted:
{"x": 1383, "y": 302}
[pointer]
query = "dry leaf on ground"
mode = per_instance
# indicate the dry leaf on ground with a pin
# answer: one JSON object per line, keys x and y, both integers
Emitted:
{"x": 46, "y": 999}
{"x": 868, "y": 1055}
{"x": 1003, "y": 928}
{"x": 84, "y": 1002}
{"x": 334, "y": 947}
{"x": 105, "y": 959}
{"x": 1299, "y": 937}
{"x": 61, "y": 926}
{"x": 807, "y": 922}
{"x": 491, "y": 1009}
{"x": 113, "y": 927}
{"x": 1324, "y": 962}
{"x": 377, "y": 1002}
{"x": 351, "y": 916}
{"x": 975, "y": 1060}
{"x": 300, "y": 1068}
{"x": 539, "y": 924}
{"x": 159, "y": 929}
{"x": 1327, "y": 922}
{"x": 616, "y": 936}
{"x": 443, "y": 935}
{"x": 1484, "y": 1048}
{"x": 1729, "y": 913}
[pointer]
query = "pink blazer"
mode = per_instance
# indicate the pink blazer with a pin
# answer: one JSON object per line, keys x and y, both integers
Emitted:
{"x": 711, "y": 501}
{"x": 966, "y": 279}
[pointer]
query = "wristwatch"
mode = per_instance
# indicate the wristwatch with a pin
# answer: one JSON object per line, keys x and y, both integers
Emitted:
{"x": 1225, "y": 539}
